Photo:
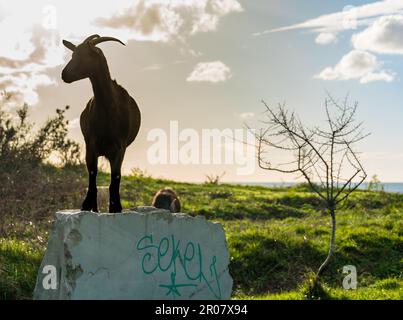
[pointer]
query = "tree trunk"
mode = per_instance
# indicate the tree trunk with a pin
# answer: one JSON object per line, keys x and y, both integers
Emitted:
{"x": 331, "y": 244}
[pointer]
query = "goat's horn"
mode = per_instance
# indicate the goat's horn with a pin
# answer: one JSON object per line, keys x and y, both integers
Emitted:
{"x": 91, "y": 38}
{"x": 103, "y": 39}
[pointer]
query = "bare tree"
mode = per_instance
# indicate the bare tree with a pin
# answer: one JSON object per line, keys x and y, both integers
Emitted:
{"x": 323, "y": 157}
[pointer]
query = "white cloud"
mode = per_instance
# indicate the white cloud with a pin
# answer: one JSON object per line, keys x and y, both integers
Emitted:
{"x": 215, "y": 71}
{"x": 31, "y": 32}
{"x": 378, "y": 29}
{"x": 161, "y": 20}
{"x": 385, "y": 35}
{"x": 378, "y": 76}
{"x": 22, "y": 88}
{"x": 143, "y": 20}
{"x": 349, "y": 18}
{"x": 357, "y": 64}
{"x": 25, "y": 56}
{"x": 326, "y": 38}
{"x": 207, "y": 19}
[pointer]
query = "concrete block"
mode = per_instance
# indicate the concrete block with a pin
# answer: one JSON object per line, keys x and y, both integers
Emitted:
{"x": 144, "y": 254}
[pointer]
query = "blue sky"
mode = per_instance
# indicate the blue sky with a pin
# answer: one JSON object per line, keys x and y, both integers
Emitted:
{"x": 207, "y": 64}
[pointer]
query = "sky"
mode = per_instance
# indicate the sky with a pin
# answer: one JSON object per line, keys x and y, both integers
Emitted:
{"x": 194, "y": 66}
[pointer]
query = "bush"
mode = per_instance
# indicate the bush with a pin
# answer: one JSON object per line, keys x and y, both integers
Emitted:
{"x": 19, "y": 145}
{"x": 31, "y": 188}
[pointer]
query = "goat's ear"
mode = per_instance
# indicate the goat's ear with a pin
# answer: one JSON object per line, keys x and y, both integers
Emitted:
{"x": 69, "y": 45}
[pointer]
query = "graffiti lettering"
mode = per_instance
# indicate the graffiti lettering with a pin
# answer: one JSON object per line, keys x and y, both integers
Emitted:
{"x": 183, "y": 262}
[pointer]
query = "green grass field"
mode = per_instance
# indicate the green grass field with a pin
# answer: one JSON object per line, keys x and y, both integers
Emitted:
{"x": 276, "y": 237}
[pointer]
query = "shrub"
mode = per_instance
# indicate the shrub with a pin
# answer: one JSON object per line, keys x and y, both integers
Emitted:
{"x": 31, "y": 188}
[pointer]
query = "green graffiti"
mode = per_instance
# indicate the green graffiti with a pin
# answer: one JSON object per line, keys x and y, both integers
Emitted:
{"x": 169, "y": 256}
{"x": 173, "y": 287}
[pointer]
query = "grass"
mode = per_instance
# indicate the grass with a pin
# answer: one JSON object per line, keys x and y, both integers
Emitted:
{"x": 387, "y": 289}
{"x": 19, "y": 264}
{"x": 276, "y": 237}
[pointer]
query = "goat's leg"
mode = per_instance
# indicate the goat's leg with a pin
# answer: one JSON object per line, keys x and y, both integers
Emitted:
{"x": 114, "y": 195}
{"x": 90, "y": 202}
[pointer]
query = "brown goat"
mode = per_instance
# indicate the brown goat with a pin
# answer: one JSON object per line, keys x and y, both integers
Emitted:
{"x": 111, "y": 120}
{"x": 167, "y": 199}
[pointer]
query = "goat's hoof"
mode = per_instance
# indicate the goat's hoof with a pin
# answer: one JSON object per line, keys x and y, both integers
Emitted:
{"x": 115, "y": 208}
{"x": 89, "y": 206}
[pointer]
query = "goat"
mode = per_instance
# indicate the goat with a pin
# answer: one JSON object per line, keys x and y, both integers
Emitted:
{"x": 167, "y": 199}
{"x": 109, "y": 123}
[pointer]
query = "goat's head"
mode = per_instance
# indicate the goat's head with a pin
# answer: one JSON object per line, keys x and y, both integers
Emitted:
{"x": 86, "y": 58}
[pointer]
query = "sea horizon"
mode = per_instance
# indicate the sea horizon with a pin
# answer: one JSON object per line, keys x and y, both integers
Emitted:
{"x": 395, "y": 187}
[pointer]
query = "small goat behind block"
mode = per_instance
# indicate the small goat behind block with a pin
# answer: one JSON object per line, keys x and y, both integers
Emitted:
{"x": 111, "y": 120}
{"x": 167, "y": 199}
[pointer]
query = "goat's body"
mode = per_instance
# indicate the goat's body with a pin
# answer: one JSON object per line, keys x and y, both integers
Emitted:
{"x": 110, "y": 128}
{"x": 110, "y": 122}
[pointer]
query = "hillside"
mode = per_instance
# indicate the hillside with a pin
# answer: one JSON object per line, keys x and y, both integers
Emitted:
{"x": 277, "y": 237}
